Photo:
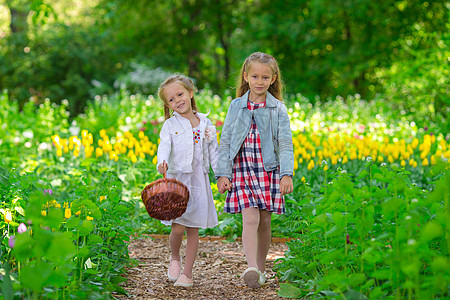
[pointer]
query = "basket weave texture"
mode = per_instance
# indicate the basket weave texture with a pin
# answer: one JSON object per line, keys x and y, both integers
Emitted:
{"x": 165, "y": 199}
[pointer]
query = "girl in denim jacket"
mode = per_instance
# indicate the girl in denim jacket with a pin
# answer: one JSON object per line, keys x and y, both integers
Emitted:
{"x": 256, "y": 158}
{"x": 188, "y": 148}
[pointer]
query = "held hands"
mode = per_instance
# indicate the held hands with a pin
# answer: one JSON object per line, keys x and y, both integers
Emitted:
{"x": 286, "y": 185}
{"x": 162, "y": 168}
{"x": 223, "y": 184}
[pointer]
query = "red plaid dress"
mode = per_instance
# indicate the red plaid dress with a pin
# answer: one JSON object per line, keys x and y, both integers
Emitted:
{"x": 251, "y": 185}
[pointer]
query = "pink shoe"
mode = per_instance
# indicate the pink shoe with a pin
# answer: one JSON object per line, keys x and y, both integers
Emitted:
{"x": 184, "y": 281}
{"x": 174, "y": 271}
{"x": 252, "y": 277}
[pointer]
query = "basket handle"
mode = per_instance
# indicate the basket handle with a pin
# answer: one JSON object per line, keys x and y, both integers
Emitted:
{"x": 164, "y": 174}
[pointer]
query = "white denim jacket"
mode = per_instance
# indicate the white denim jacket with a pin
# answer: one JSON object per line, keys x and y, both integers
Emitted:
{"x": 176, "y": 146}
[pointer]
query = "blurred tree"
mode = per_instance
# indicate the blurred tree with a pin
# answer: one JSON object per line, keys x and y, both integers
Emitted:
{"x": 324, "y": 47}
{"x": 329, "y": 47}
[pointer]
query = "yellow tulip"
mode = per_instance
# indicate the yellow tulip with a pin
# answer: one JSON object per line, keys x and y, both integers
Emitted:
{"x": 310, "y": 165}
{"x": 98, "y": 152}
{"x": 345, "y": 159}
{"x": 8, "y": 216}
{"x": 89, "y": 218}
{"x": 433, "y": 160}
{"x": 303, "y": 179}
{"x": 425, "y": 162}
{"x": 403, "y": 163}
{"x": 67, "y": 213}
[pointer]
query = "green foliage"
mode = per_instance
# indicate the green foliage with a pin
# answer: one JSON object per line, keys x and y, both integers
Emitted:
{"x": 395, "y": 49}
{"x": 353, "y": 223}
{"x": 383, "y": 238}
{"x": 61, "y": 63}
{"x": 418, "y": 81}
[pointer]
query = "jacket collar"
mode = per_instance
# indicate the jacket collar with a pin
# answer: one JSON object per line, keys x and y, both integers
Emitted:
{"x": 271, "y": 101}
{"x": 200, "y": 115}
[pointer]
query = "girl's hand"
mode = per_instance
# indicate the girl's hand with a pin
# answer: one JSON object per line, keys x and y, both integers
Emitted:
{"x": 286, "y": 185}
{"x": 162, "y": 168}
{"x": 223, "y": 184}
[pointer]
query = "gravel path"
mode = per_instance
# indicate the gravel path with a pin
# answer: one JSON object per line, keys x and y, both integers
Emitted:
{"x": 217, "y": 271}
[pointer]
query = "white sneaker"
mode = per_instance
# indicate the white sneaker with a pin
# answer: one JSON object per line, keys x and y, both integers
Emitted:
{"x": 262, "y": 278}
{"x": 252, "y": 277}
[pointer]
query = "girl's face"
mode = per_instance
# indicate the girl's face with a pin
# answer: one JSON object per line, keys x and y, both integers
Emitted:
{"x": 259, "y": 78}
{"x": 178, "y": 98}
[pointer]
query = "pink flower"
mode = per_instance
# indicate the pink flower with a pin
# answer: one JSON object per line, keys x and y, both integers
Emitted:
{"x": 12, "y": 241}
{"x": 348, "y": 240}
{"x": 49, "y": 191}
{"x": 22, "y": 228}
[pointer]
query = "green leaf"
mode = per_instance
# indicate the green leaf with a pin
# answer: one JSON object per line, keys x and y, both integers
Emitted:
{"x": 121, "y": 208}
{"x": 431, "y": 231}
{"x": 86, "y": 227}
{"x": 35, "y": 276}
{"x": 62, "y": 247}
{"x": 83, "y": 252}
{"x": 354, "y": 295}
{"x": 356, "y": 279}
{"x": 338, "y": 218}
{"x": 363, "y": 174}
{"x": 73, "y": 222}
{"x": 7, "y": 289}
{"x": 288, "y": 290}
{"x": 335, "y": 230}
{"x": 94, "y": 239}
{"x": 382, "y": 274}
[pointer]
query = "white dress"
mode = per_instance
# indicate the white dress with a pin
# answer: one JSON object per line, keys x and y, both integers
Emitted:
{"x": 200, "y": 211}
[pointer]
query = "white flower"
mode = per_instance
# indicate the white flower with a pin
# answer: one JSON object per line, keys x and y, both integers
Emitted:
{"x": 210, "y": 133}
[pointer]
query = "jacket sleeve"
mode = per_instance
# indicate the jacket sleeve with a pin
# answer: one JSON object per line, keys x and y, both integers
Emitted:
{"x": 224, "y": 162}
{"x": 286, "y": 148}
{"x": 213, "y": 150}
{"x": 165, "y": 145}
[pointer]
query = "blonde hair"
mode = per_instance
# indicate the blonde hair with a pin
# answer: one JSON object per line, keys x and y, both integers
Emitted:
{"x": 186, "y": 82}
{"x": 276, "y": 88}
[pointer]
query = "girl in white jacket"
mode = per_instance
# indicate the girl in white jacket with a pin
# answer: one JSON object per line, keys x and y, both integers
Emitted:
{"x": 187, "y": 150}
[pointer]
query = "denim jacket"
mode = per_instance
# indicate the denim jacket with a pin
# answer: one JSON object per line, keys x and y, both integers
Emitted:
{"x": 274, "y": 131}
{"x": 176, "y": 145}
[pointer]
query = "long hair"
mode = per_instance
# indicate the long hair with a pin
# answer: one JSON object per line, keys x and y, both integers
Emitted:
{"x": 276, "y": 88}
{"x": 186, "y": 82}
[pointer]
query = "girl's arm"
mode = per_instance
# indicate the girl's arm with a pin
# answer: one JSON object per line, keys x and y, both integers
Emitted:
{"x": 165, "y": 145}
{"x": 224, "y": 162}
{"x": 286, "y": 148}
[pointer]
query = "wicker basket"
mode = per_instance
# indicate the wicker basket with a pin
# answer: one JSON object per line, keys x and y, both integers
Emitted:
{"x": 165, "y": 198}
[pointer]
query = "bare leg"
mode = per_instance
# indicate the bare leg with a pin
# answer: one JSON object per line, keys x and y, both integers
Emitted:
{"x": 175, "y": 239}
{"x": 264, "y": 238}
{"x": 191, "y": 250}
{"x": 250, "y": 218}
